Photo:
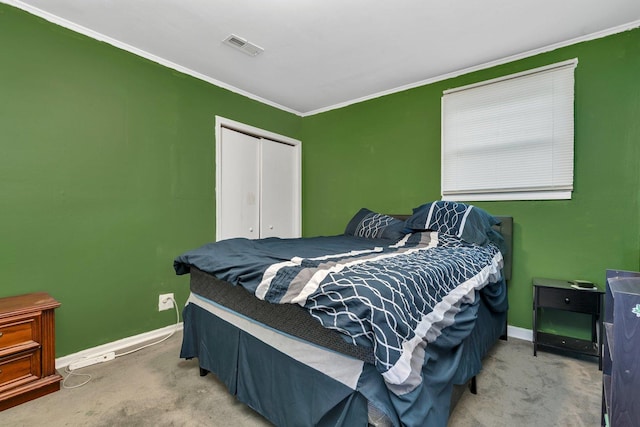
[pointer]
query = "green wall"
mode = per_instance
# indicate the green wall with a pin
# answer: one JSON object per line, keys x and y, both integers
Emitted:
{"x": 385, "y": 154}
{"x": 106, "y": 174}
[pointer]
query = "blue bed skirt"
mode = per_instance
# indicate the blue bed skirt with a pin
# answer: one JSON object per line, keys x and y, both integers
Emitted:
{"x": 282, "y": 389}
{"x": 290, "y": 392}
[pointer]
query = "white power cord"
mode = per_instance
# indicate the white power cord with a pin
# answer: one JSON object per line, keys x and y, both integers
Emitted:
{"x": 161, "y": 340}
{"x": 71, "y": 372}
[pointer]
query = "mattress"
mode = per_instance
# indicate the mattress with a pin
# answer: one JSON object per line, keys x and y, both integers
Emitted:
{"x": 290, "y": 319}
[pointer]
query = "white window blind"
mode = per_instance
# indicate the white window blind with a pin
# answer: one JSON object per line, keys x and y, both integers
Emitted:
{"x": 510, "y": 138}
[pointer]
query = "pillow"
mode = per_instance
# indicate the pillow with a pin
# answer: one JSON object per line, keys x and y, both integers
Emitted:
{"x": 373, "y": 225}
{"x": 468, "y": 222}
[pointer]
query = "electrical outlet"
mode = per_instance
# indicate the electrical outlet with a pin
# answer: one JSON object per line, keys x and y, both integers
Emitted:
{"x": 165, "y": 302}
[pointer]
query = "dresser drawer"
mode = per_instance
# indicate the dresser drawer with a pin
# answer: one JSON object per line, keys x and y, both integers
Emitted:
{"x": 20, "y": 368}
{"x": 571, "y": 300}
{"x": 18, "y": 332}
{"x": 27, "y": 348}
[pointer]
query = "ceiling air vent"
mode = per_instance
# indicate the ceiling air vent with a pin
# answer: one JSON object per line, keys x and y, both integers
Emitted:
{"x": 243, "y": 45}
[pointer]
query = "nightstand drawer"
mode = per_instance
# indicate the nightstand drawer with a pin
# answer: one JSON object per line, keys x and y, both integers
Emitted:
{"x": 19, "y": 332}
{"x": 20, "y": 368}
{"x": 571, "y": 300}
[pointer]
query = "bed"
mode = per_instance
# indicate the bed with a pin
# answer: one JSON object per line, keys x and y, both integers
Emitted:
{"x": 379, "y": 326}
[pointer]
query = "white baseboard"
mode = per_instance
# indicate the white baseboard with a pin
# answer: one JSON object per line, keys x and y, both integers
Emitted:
{"x": 115, "y": 346}
{"x": 144, "y": 338}
{"x": 520, "y": 333}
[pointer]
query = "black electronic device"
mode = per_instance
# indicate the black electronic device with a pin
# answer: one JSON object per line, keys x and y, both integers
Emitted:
{"x": 582, "y": 284}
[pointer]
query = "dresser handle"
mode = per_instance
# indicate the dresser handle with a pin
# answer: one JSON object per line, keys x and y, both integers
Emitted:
{"x": 1, "y": 334}
{"x": 567, "y": 300}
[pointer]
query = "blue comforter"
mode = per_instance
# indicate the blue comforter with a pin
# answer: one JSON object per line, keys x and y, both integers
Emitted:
{"x": 397, "y": 297}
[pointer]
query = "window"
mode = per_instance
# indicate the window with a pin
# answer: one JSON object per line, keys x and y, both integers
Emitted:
{"x": 510, "y": 138}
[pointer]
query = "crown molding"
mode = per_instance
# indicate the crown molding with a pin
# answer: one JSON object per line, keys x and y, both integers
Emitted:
{"x": 593, "y": 36}
{"x": 139, "y": 52}
{"x": 124, "y": 46}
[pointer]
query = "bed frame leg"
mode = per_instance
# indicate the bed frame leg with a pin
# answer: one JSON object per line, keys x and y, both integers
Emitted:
{"x": 473, "y": 385}
{"x": 204, "y": 372}
{"x": 504, "y": 336}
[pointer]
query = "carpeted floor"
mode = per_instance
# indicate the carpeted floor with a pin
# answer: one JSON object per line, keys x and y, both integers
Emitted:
{"x": 517, "y": 389}
{"x": 154, "y": 387}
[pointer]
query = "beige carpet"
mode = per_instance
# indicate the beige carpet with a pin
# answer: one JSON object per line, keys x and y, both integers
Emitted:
{"x": 154, "y": 387}
{"x": 517, "y": 389}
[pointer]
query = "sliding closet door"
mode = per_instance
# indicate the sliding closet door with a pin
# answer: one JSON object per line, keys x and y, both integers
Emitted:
{"x": 279, "y": 190}
{"x": 238, "y": 196}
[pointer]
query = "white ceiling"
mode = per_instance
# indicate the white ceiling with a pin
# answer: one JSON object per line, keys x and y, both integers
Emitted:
{"x": 322, "y": 54}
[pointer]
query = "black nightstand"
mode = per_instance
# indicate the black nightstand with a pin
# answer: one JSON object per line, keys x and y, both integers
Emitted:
{"x": 560, "y": 295}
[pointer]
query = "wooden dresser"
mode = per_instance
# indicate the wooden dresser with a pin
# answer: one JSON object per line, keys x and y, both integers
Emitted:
{"x": 27, "y": 348}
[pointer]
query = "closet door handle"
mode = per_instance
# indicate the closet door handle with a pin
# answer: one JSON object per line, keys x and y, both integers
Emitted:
{"x": 251, "y": 229}
{"x": 271, "y": 227}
